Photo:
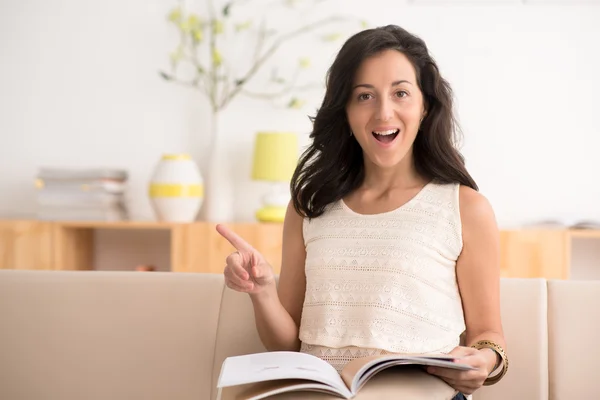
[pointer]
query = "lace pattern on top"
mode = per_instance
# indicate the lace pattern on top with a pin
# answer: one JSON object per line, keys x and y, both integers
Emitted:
{"x": 383, "y": 282}
{"x": 338, "y": 358}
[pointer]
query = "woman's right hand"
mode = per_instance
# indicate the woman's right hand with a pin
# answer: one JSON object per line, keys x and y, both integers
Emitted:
{"x": 246, "y": 269}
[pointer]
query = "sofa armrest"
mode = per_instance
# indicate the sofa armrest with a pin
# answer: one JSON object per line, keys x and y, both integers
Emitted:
{"x": 236, "y": 331}
{"x": 74, "y": 335}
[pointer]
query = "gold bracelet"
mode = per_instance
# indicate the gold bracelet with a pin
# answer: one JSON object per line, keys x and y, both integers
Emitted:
{"x": 487, "y": 344}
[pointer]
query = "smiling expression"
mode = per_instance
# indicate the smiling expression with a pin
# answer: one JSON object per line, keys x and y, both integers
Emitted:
{"x": 385, "y": 108}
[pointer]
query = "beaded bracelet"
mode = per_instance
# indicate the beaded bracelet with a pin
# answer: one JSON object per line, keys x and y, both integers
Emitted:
{"x": 487, "y": 344}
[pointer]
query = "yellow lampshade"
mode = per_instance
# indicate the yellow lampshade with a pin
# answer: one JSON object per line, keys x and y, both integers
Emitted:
{"x": 275, "y": 156}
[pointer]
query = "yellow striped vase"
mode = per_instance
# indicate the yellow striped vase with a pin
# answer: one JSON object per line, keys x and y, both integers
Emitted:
{"x": 176, "y": 189}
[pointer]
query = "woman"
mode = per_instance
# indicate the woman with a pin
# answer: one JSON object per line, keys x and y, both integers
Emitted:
{"x": 387, "y": 246}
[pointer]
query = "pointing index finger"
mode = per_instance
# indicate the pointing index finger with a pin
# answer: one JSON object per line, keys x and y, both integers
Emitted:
{"x": 233, "y": 238}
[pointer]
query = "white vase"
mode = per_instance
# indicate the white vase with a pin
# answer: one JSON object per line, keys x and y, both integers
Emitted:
{"x": 176, "y": 189}
{"x": 218, "y": 177}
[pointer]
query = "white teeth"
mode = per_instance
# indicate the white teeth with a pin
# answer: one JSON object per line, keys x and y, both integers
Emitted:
{"x": 385, "y": 133}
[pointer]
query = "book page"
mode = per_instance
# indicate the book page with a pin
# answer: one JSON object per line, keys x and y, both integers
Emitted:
{"x": 277, "y": 365}
{"x": 357, "y": 372}
{"x": 294, "y": 389}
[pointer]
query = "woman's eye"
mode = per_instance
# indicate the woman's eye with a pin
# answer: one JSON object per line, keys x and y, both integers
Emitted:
{"x": 401, "y": 93}
{"x": 364, "y": 96}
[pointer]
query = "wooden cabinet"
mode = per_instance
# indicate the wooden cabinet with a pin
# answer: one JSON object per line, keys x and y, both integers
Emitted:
{"x": 26, "y": 245}
{"x": 533, "y": 253}
{"x": 540, "y": 253}
{"x": 197, "y": 247}
{"x": 194, "y": 247}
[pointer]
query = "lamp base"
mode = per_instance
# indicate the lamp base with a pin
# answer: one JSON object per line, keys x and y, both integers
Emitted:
{"x": 271, "y": 214}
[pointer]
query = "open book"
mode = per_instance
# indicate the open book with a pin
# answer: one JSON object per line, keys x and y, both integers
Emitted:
{"x": 270, "y": 373}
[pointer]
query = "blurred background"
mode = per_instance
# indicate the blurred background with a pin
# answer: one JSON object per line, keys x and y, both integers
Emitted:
{"x": 81, "y": 87}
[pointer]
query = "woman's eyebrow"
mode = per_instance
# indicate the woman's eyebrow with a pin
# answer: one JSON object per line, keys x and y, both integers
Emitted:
{"x": 369, "y": 86}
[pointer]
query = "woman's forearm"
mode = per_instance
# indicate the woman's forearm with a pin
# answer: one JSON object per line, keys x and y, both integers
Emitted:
{"x": 276, "y": 328}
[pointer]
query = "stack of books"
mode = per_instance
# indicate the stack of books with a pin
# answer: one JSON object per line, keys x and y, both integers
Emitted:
{"x": 583, "y": 224}
{"x": 74, "y": 194}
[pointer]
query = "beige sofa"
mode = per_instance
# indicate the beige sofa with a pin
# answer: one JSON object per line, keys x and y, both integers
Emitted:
{"x": 137, "y": 335}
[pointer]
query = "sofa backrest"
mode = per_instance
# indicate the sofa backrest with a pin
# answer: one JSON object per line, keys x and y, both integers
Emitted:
{"x": 107, "y": 335}
{"x": 574, "y": 327}
{"x": 524, "y": 319}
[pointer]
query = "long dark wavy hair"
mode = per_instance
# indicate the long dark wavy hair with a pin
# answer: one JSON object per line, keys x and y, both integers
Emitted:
{"x": 333, "y": 166}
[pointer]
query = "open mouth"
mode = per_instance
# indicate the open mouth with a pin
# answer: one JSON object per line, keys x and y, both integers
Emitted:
{"x": 387, "y": 136}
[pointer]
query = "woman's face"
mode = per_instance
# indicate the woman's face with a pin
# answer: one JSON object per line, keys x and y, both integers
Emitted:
{"x": 385, "y": 108}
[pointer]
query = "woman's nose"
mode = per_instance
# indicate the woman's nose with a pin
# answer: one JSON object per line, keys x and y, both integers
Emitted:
{"x": 385, "y": 111}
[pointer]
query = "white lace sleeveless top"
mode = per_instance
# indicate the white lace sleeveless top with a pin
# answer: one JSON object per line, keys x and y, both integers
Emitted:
{"x": 384, "y": 282}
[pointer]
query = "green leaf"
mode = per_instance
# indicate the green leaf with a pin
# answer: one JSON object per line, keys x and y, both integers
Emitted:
{"x": 218, "y": 27}
{"x": 227, "y": 9}
{"x": 217, "y": 58}
{"x": 243, "y": 26}
{"x": 175, "y": 15}
{"x": 304, "y": 62}
{"x": 165, "y": 76}
{"x": 296, "y": 103}
{"x": 332, "y": 37}
{"x": 184, "y": 26}
{"x": 197, "y": 35}
{"x": 195, "y": 21}
{"x": 177, "y": 55}
{"x": 278, "y": 79}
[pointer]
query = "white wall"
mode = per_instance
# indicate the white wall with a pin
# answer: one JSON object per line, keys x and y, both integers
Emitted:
{"x": 79, "y": 86}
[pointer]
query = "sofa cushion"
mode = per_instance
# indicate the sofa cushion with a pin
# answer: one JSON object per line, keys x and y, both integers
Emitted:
{"x": 524, "y": 314}
{"x": 107, "y": 335}
{"x": 573, "y": 326}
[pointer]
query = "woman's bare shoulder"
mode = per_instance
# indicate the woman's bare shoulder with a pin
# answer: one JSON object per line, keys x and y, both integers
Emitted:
{"x": 473, "y": 204}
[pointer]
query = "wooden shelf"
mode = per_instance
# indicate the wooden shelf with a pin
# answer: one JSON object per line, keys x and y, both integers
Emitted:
{"x": 197, "y": 247}
{"x": 119, "y": 225}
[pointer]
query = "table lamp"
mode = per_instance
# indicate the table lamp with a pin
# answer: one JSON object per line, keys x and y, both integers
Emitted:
{"x": 275, "y": 159}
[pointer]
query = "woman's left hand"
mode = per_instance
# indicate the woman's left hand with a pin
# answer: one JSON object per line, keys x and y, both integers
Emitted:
{"x": 465, "y": 382}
